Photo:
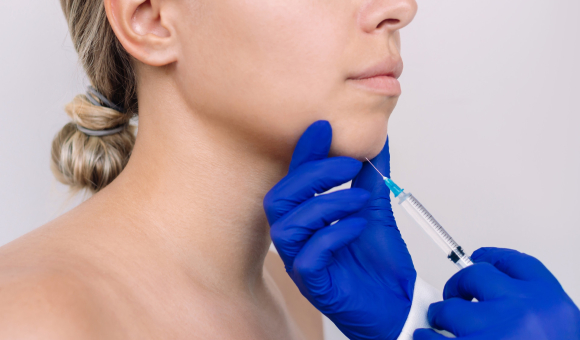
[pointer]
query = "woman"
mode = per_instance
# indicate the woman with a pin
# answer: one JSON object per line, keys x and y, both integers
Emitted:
{"x": 174, "y": 246}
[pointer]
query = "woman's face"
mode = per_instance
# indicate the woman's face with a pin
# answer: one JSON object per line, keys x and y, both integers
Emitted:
{"x": 267, "y": 69}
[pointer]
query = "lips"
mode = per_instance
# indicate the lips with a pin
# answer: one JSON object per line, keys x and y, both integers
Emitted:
{"x": 380, "y": 78}
{"x": 390, "y": 67}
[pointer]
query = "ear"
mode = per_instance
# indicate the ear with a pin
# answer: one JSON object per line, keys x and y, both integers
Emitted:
{"x": 143, "y": 30}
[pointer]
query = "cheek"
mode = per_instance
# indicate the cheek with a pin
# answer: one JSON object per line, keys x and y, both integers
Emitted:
{"x": 263, "y": 64}
{"x": 267, "y": 69}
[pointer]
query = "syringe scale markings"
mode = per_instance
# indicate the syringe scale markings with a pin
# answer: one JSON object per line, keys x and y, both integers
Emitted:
{"x": 433, "y": 222}
{"x": 428, "y": 223}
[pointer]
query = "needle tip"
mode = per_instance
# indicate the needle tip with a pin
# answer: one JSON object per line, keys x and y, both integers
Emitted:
{"x": 375, "y": 168}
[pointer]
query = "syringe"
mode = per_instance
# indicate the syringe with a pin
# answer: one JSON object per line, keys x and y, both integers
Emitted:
{"x": 416, "y": 210}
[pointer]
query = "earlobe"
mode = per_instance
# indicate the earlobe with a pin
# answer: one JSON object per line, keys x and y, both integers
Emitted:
{"x": 143, "y": 30}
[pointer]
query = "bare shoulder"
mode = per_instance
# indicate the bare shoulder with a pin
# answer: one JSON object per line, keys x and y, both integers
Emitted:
{"x": 46, "y": 304}
{"x": 43, "y": 296}
{"x": 306, "y": 316}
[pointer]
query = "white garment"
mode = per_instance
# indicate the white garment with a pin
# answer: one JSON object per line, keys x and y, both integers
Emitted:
{"x": 424, "y": 295}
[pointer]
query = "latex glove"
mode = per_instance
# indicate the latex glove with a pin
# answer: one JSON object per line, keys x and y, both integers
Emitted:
{"x": 518, "y": 299}
{"x": 358, "y": 272}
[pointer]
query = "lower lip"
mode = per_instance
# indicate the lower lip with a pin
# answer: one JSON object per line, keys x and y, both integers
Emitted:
{"x": 385, "y": 85}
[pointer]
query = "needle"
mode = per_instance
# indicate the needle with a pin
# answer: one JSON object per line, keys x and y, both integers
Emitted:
{"x": 375, "y": 167}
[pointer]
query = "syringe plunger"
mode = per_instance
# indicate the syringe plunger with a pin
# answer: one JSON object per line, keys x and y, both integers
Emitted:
{"x": 437, "y": 233}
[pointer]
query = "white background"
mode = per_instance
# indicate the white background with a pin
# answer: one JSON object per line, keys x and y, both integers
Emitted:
{"x": 485, "y": 133}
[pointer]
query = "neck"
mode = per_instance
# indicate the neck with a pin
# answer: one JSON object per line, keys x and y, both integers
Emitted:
{"x": 194, "y": 189}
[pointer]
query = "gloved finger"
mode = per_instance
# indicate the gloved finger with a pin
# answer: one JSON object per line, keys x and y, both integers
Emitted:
{"x": 427, "y": 334}
{"x": 308, "y": 179}
{"x": 462, "y": 317}
{"x": 381, "y": 248}
{"x": 314, "y": 144}
{"x": 310, "y": 265}
{"x": 482, "y": 281}
{"x": 379, "y": 208}
{"x": 368, "y": 177}
{"x": 515, "y": 264}
{"x": 292, "y": 230}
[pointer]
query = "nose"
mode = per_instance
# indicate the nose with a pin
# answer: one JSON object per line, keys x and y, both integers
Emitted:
{"x": 389, "y": 15}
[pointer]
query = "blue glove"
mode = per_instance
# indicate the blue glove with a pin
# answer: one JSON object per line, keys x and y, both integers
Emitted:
{"x": 358, "y": 272}
{"x": 518, "y": 299}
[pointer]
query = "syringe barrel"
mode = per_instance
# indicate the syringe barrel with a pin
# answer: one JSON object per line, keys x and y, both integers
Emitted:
{"x": 434, "y": 230}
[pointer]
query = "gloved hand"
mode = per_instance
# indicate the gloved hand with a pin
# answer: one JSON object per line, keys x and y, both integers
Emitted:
{"x": 518, "y": 299}
{"x": 358, "y": 272}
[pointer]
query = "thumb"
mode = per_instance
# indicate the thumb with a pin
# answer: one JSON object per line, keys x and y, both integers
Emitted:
{"x": 515, "y": 264}
{"x": 379, "y": 207}
{"x": 313, "y": 145}
{"x": 368, "y": 177}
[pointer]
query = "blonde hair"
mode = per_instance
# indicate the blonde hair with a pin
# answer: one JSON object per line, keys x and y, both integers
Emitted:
{"x": 90, "y": 162}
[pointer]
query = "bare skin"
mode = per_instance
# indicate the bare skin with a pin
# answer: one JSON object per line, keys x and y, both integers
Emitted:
{"x": 175, "y": 247}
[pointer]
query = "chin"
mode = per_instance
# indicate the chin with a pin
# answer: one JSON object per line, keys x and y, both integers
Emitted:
{"x": 360, "y": 139}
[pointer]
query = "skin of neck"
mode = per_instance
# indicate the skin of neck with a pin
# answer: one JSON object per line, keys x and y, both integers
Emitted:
{"x": 193, "y": 189}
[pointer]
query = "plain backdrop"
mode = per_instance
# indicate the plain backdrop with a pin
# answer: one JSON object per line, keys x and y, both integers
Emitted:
{"x": 485, "y": 133}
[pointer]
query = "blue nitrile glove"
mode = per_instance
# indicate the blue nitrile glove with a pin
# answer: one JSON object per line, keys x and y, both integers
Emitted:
{"x": 358, "y": 272}
{"x": 519, "y": 299}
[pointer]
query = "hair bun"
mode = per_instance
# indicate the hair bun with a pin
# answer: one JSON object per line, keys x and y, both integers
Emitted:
{"x": 94, "y": 117}
{"x": 88, "y": 162}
